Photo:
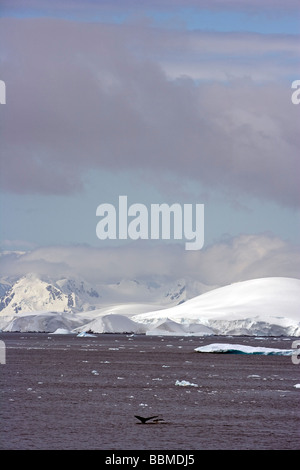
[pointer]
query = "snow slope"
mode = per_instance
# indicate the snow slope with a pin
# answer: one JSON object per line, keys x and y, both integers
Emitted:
{"x": 113, "y": 323}
{"x": 39, "y": 322}
{"x": 268, "y": 306}
{"x": 113, "y": 319}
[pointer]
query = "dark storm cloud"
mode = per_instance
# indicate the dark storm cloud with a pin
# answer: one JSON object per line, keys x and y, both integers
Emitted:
{"x": 84, "y": 96}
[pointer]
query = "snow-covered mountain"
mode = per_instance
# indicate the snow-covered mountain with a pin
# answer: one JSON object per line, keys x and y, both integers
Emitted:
{"x": 268, "y": 307}
{"x": 31, "y": 293}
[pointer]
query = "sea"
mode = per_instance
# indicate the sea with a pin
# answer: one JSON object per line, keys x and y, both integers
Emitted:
{"x": 64, "y": 392}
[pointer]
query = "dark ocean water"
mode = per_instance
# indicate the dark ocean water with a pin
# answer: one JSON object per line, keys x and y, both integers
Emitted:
{"x": 66, "y": 392}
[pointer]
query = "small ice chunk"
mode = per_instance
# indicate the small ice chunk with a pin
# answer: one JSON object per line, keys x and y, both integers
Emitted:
{"x": 185, "y": 383}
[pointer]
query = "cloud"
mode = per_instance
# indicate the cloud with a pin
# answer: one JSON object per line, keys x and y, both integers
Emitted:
{"x": 84, "y": 96}
{"x": 55, "y": 6}
{"x": 236, "y": 259}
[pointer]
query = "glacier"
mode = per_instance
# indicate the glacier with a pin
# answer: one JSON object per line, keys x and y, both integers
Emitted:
{"x": 258, "y": 307}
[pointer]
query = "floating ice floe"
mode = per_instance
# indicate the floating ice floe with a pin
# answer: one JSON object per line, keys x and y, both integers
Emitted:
{"x": 84, "y": 334}
{"x": 228, "y": 348}
{"x": 185, "y": 383}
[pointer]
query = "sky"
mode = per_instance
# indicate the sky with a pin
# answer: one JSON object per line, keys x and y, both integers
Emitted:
{"x": 182, "y": 101}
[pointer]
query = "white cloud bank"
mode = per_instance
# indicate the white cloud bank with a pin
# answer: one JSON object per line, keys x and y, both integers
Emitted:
{"x": 237, "y": 259}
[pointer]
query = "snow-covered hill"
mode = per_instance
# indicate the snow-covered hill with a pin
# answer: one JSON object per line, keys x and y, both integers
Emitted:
{"x": 268, "y": 306}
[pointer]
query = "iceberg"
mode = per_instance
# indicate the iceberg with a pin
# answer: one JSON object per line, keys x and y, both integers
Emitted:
{"x": 185, "y": 383}
{"x": 228, "y": 348}
{"x": 84, "y": 334}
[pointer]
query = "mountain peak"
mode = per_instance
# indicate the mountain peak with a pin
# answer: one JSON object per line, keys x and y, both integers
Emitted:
{"x": 31, "y": 293}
